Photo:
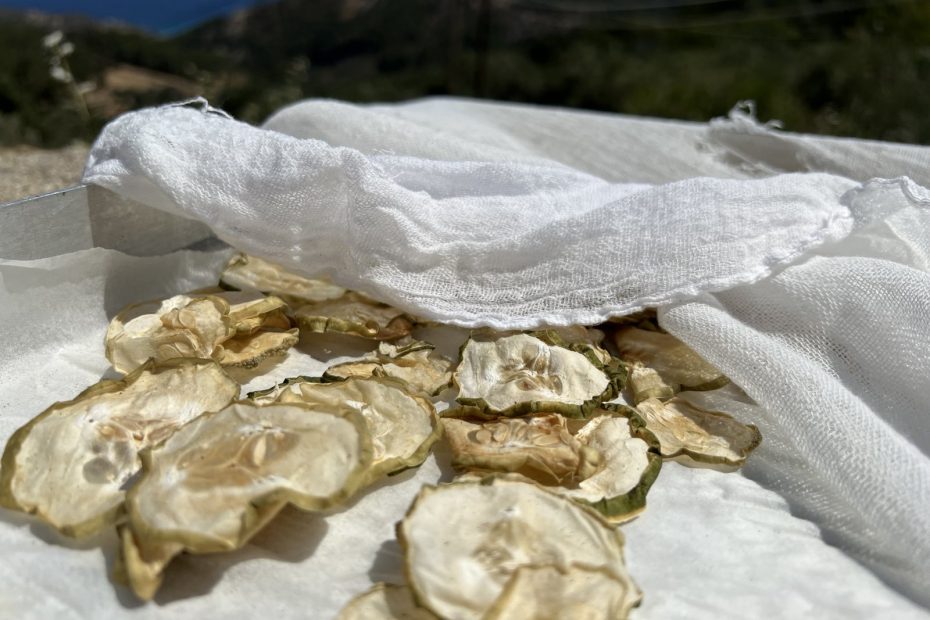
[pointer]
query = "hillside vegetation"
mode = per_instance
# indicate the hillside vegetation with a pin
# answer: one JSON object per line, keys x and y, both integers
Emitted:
{"x": 842, "y": 67}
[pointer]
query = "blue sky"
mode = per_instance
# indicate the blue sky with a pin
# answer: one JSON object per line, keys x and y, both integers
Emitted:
{"x": 164, "y": 16}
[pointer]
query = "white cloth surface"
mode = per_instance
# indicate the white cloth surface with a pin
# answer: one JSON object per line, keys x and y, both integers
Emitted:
{"x": 507, "y": 244}
{"x": 845, "y": 426}
{"x": 776, "y": 256}
{"x": 710, "y": 545}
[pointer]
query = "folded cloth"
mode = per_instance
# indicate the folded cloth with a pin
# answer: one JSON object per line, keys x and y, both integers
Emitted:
{"x": 777, "y": 257}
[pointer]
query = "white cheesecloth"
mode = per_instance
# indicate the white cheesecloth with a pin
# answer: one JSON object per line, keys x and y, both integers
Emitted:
{"x": 798, "y": 265}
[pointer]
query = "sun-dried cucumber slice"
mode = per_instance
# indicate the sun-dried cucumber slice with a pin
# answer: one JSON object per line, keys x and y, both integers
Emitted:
{"x": 270, "y": 395}
{"x": 205, "y": 485}
{"x": 235, "y": 329}
{"x": 141, "y": 565}
{"x": 250, "y": 351}
{"x": 615, "y": 467}
{"x": 369, "y": 366}
{"x": 618, "y": 488}
{"x": 539, "y": 447}
{"x": 356, "y": 315}
{"x": 463, "y": 541}
{"x": 416, "y": 363}
{"x": 403, "y": 426}
{"x": 385, "y": 601}
{"x": 179, "y": 327}
{"x": 675, "y": 362}
{"x": 690, "y": 434}
{"x": 577, "y": 338}
{"x": 250, "y": 312}
{"x": 645, "y": 383}
{"x": 68, "y": 465}
{"x": 520, "y": 374}
{"x": 252, "y": 273}
{"x": 556, "y": 592}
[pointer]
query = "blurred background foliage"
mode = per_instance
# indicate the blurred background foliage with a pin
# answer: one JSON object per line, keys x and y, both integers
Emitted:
{"x": 842, "y": 67}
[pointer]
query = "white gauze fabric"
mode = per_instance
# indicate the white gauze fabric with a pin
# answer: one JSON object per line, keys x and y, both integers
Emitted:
{"x": 809, "y": 289}
{"x": 507, "y": 244}
{"x": 837, "y": 349}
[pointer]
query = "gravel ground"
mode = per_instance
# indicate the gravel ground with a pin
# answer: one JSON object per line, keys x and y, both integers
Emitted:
{"x": 27, "y": 171}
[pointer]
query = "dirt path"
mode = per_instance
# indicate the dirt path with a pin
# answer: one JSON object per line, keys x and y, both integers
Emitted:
{"x": 27, "y": 171}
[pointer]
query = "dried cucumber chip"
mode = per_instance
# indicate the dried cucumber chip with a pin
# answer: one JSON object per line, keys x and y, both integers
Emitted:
{"x": 356, "y": 315}
{"x": 235, "y": 329}
{"x": 403, "y": 426}
{"x": 645, "y": 383}
{"x": 519, "y": 374}
{"x": 250, "y": 351}
{"x": 251, "y": 273}
{"x": 463, "y": 541}
{"x": 604, "y": 463}
{"x": 618, "y": 488}
{"x": 577, "y": 592}
{"x": 319, "y": 306}
{"x": 675, "y": 362}
{"x": 205, "y": 486}
{"x": 691, "y": 434}
{"x": 385, "y": 601}
{"x": 262, "y": 330}
{"x": 230, "y": 477}
{"x": 540, "y": 448}
{"x": 250, "y": 312}
{"x": 416, "y": 363}
{"x": 141, "y": 564}
{"x": 181, "y": 326}
{"x": 69, "y": 465}
{"x": 577, "y": 338}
